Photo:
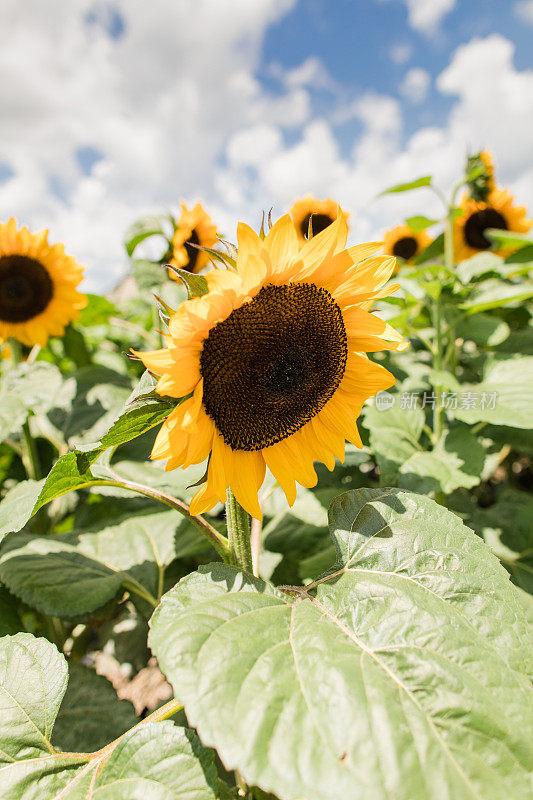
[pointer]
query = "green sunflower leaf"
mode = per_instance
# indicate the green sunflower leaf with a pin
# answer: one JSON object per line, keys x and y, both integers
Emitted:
{"x": 420, "y": 223}
{"x": 494, "y": 293}
{"x": 406, "y": 187}
{"x": 154, "y": 760}
{"x": 433, "y": 250}
{"x": 504, "y": 397}
{"x": 416, "y": 643}
{"x": 476, "y": 266}
{"x": 456, "y": 461}
{"x": 505, "y": 238}
{"x": 98, "y": 310}
{"x": 33, "y": 680}
{"x": 143, "y": 229}
{"x": 196, "y": 285}
{"x": 72, "y": 575}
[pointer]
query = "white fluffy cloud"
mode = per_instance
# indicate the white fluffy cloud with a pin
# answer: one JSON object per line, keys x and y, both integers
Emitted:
{"x": 156, "y": 105}
{"x": 415, "y": 85}
{"x": 98, "y": 130}
{"x": 426, "y": 15}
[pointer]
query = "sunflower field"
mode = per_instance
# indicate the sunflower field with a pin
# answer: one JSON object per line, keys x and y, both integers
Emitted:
{"x": 267, "y": 509}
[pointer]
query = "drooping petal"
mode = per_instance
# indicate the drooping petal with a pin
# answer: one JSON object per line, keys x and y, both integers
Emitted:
{"x": 247, "y": 476}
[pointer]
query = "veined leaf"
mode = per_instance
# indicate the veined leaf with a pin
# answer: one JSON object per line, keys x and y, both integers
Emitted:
{"x": 504, "y": 397}
{"x": 74, "y": 574}
{"x": 153, "y": 761}
{"x": 317, "y": 693}
{"x": 196, "y": 284}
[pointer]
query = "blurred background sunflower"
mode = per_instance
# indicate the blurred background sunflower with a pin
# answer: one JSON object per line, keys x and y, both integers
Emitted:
{"x": 38, "y": 295}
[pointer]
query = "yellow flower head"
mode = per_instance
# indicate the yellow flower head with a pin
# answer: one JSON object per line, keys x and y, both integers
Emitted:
{"x": 38, "y": 296}
{"x": 194, "y": 228}
{"x": 274, "y": 360}
{"x": 497, "y": 212}
{"x": 405, "y": 243}
{"x": 482, "y": 183}
{"x": 321, "y": 213}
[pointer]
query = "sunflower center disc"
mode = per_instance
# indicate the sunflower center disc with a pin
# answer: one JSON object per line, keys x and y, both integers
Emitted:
{"x": 25, "y": 288}
{"x": 405, "y": 247}
{"x": 318, "y": 223}
{"x": 273, "y": 364}
{"x": 477, "y": 224}
{"x": 192, "y": 251}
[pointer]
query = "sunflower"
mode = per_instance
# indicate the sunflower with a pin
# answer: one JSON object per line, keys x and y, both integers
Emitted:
{"x": 38, "y": 296}
{"x": 482, "y": 183}
{"x": 194, "y": 228}
{"x": 273, "y": 362}
{"x": 497, "y": 212}
{"x": 321, "y": 213}
{"x": 405, "y": 243}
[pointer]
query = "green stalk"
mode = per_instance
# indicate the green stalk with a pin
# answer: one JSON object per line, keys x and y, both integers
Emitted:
{"x": 437, "y": 365}
{"x": 437, "y": 316}
{"x": 30, "y": 456}
{"x": 239, "y": 533}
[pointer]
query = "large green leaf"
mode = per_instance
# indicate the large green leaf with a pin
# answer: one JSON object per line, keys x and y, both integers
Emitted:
{"x": 400, "y": 675}
{"x": 37, "y": 385}
{"x": 394, "y": 434}
{"x": 13, "y": 414}
{"x": 495, "y": 294}
{"x": 456, "y": 461}
{"x": 158, "y": 761}
{"x": 91, "y": 715}
{"x": 72, "y": 575}
{"x": 153, "y": 761}
{"x": 477, "y": 265}
{"x": 33, "y": 679}
{"x": 484, "y": 329}
{"x": 504, "y": 397}
{"x": 89, "y": 402}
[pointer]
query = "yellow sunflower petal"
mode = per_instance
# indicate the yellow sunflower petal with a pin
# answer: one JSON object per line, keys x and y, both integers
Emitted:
{"x": 247, "y": 476}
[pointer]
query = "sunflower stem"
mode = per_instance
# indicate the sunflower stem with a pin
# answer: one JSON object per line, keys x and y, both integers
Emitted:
{"x": 30, "y": 455}
{"x": 239, "y": 533}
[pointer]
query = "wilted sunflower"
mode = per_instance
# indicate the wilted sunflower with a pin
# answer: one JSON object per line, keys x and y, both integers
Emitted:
{"x": 405, "y": 243}
{"x": 321, "y": 213}
{"x": 38, "y": 296}
{"x": 274, "y": 356}
{"x": 482, "y": 183}
{"x": 194, "y": 228}
{"x": 497, "y": 212}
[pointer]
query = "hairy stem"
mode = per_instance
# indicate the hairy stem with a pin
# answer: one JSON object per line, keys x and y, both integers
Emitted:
{"x": 239, "y": 533}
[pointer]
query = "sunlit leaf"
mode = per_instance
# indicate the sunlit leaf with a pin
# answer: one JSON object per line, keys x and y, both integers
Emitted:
{"x": 312, "y": 693}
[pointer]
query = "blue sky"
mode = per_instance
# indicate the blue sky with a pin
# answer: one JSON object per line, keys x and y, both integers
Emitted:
{"x": 116, "y": 108}
{"x": 356, "y": 40}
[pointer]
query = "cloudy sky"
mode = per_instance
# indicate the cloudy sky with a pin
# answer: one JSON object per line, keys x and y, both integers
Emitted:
{"x": 115, "y": 108}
